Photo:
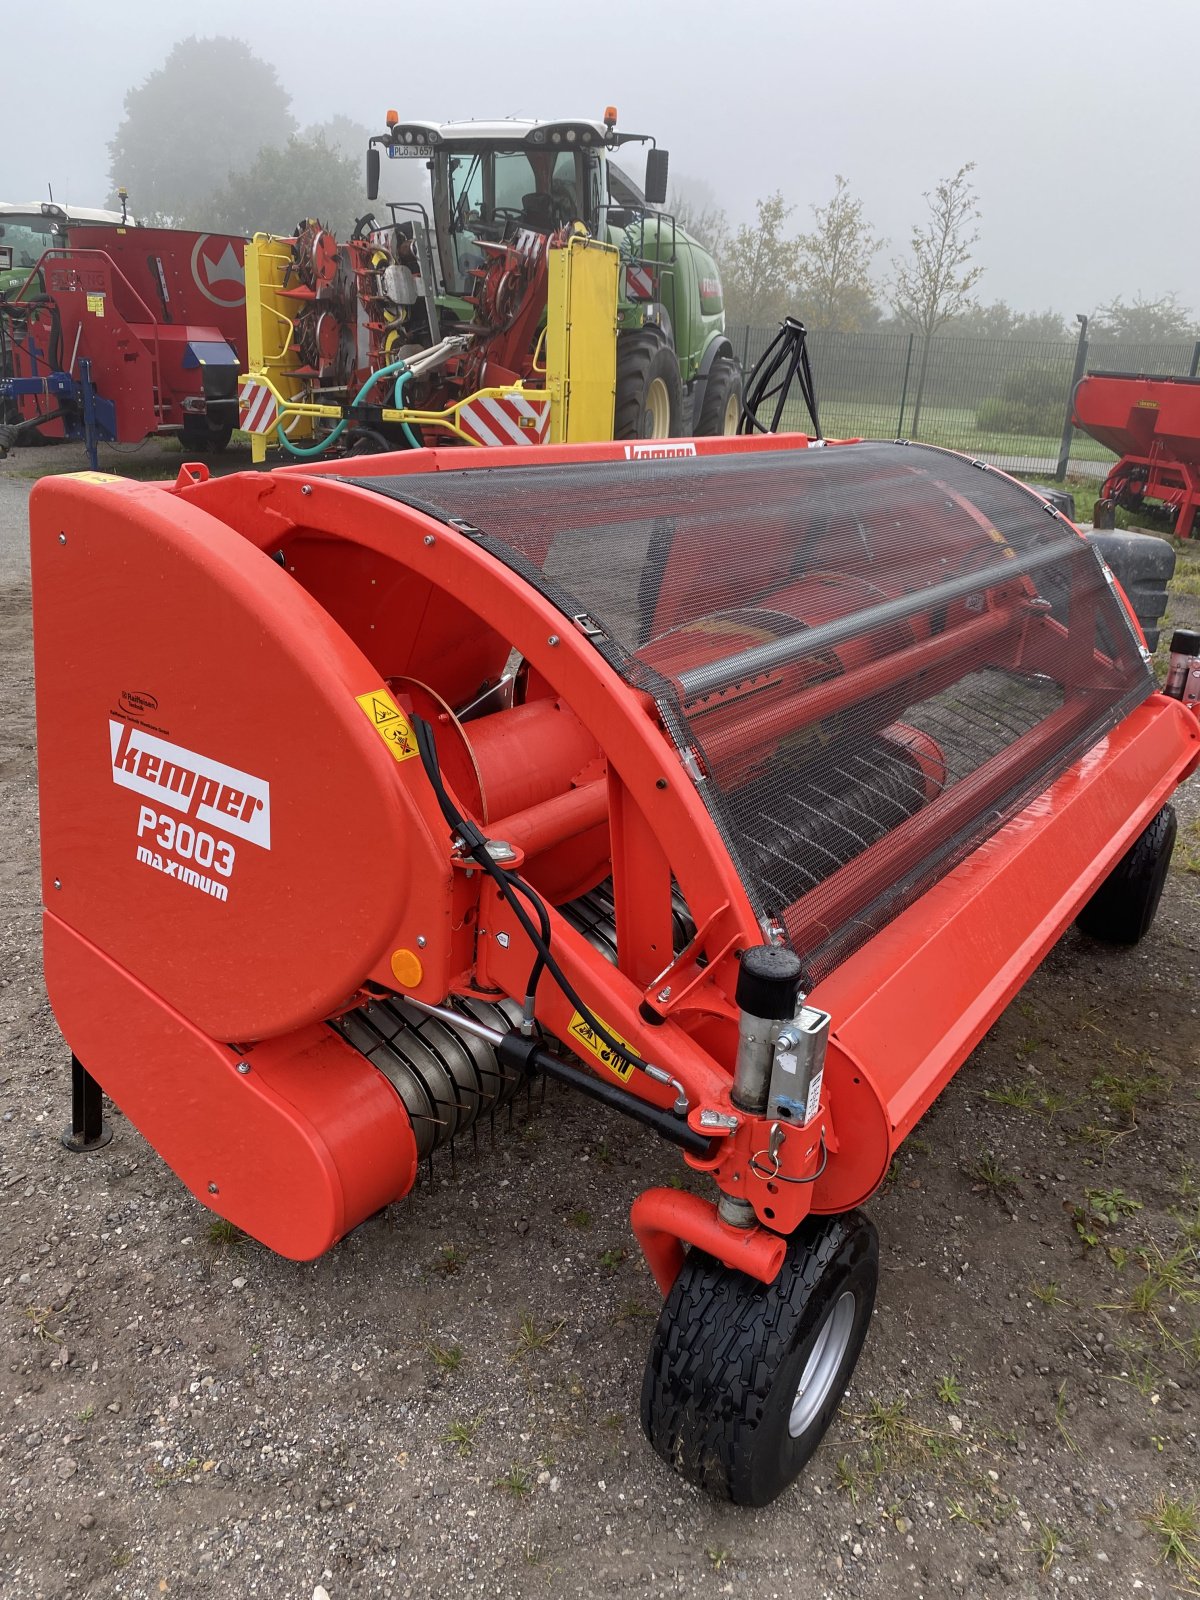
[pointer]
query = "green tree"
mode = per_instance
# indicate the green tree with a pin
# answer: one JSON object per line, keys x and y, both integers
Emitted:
{"x": 935, "y": 282}
{"x": 202, "y": 114}
{"x": 343, "y": 135}
{"x": 1147, "y": 320}
{"x": 284, "y": 187}
{"x": 758, "y": 266}
{"x": 834, "y": 266}
{"x": 1000, "y": 321}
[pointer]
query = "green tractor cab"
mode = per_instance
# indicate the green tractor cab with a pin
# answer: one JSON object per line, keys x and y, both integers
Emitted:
{"x": 490, "y": 182}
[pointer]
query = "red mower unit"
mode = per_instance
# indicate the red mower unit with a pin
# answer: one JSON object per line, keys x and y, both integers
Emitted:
{"x": 1154, "y": 426}
{"x": 118, "y": 333}
{"x": 739, "y": 786}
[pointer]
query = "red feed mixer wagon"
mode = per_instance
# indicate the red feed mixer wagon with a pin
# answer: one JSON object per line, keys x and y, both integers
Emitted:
{"x": 738, "y": 784}
{"x": 1153, "y": 424}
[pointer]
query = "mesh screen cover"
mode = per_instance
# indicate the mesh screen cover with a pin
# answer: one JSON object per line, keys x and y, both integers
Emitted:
{"x": 869, "y": 655}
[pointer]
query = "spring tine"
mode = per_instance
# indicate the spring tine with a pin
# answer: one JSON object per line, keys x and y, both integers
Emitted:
{"x": 475, "y": 1138}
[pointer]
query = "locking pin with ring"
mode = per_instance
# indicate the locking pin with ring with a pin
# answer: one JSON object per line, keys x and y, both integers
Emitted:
{"x": 758, "y": 1162}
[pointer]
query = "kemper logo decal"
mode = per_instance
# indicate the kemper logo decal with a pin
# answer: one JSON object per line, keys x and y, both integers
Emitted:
{"x": 195, "y": 785}
{"x": 654, "y": 450}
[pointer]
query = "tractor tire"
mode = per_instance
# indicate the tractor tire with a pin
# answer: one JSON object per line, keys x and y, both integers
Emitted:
{"x": 649, "y": 401}
{"x": 721, "y": 408}
{"x": 1123, "y": 907}
{"x": 744, "y": 1377}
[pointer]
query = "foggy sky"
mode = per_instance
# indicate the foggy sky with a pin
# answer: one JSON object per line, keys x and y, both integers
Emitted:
{"x": 1082, "y": 115}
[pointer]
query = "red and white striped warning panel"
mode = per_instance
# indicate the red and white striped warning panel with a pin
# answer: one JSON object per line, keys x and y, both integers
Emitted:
{"x": 257, "y": 410}
{"x": 639, "y": 283}
{"x": 508, "y": 419}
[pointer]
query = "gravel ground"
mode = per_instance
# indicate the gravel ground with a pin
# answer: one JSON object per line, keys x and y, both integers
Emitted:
{"x": 447, "y": 1401}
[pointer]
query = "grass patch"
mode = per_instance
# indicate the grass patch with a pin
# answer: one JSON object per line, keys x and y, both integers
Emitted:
{"x": 1175, "y": 1525}
{"x": 446, "y": 1357}
{"x": 225, "y": 1235}
{"x": 531, "y": 1336}
{"x": 461, "y": 1434}
{"x": 517, "y": 1481}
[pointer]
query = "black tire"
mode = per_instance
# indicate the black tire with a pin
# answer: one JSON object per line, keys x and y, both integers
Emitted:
{"x": 1123, "y": 907}
{"x": 729, "y": 1353}
{"x": 644, "y": 358}
{"x": 723, "y": 389}
{"x": 205, "y": 435}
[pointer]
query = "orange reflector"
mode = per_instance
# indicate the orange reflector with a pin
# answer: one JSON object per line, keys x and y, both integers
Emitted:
{"x": 610, "y": 116}
{"x": 391, "y": 118}
{"x": 407, "y": 968}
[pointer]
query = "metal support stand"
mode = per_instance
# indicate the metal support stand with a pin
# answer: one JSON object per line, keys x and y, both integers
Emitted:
{"x": 88, "y": 1130}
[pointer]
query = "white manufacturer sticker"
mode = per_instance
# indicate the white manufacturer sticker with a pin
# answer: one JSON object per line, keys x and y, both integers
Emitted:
{"x": 659, "y": 450}
{"x": 814, "y": 1097}
{"x": 195, "y": 785}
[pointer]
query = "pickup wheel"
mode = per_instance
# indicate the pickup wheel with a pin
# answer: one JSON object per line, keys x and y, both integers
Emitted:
{"x": 1123, "y": 907}
{"x": 744, "y": 1377}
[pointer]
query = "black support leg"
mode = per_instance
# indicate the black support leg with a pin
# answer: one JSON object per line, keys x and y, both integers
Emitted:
{"x": 88, "y": 1130}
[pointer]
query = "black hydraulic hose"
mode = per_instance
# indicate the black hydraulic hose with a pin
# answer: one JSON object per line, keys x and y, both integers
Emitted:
{"x": 522, "y": 1053}
{"x": 787, "y": 353}
{"x": 510, "y": 885}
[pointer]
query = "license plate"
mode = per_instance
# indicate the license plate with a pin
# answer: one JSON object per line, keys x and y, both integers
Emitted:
{"x": 402, "y": 152}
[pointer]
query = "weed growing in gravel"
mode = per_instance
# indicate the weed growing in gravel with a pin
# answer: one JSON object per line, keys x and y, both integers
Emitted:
{"x": 1049, "y": 1294}
{"x": 633, "y": 1311}
{"x": 1176, "y": 1526}
{"x": 580, "y": 1219}
{"x": 40, "y": 1316}
{"x": 1123, "y": 1092}
{"x": 531, "y": 1337}
{"x": 461, "y": 1434}
{"x": 612, "y": 1258}
{"x": 718, "y": 1557}
{"x": 86, "y": 1414}
{"x": 517, "y": 1480}
{"x": 990, "y": 1175}
{"x": 1017, "y": 1096}
{"x": 1100, "y": 1209}
{"x": 451, "y": 1260}
{"x": 448, "y": 1357}
{"x": 845, "y": 1478}
{"x": 1049, "y": 1538}
{"x": 949, "y": 1390}
{"x": 1061, "y": 1408}
{"x": 1187, "y": 849}
{"x": 957, "y": 1512}
{"x": 225, "y": 1235}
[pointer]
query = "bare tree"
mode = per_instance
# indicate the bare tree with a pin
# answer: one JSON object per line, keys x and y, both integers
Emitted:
{"x": 694, "y": 205}
{"x": 834, "y": 265}
{"x": 758, "y": 266}
{"x": 935, "y": 282}
{"x": 1147, "y": 320}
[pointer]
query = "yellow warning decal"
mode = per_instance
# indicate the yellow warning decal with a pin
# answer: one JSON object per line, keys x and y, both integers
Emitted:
{"x": 390, "y": 723}
{"x": 95, "y": 477}
{"x": 95, "y": 304}
{"x": 586, "y": 1037}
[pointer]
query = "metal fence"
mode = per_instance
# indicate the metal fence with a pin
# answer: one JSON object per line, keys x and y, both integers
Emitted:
{"x": 1006, "y": 401}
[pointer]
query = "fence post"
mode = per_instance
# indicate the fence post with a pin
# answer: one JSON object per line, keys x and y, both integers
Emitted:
{"x": 746, "y": 348}
{"x": 904, "y": 387}
{"x": 1064, "y": 451}
{"x": 1195, "y": 366}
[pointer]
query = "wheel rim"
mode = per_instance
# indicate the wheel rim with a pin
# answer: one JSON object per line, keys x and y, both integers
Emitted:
{"x": 658, "y": 411}
{"x": 823, "y": 1364}
{"x": 733, "y": 414}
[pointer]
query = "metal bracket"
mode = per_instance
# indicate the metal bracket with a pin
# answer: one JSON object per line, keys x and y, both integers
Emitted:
{"x": 798, "y": 1068}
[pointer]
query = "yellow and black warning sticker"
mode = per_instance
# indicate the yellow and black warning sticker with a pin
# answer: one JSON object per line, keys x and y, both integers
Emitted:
{"x": 585, "y": 1036}
{"x": 390, "y": 723}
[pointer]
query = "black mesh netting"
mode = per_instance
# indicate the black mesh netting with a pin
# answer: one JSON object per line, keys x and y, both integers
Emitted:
{"x": 869, "y": 655}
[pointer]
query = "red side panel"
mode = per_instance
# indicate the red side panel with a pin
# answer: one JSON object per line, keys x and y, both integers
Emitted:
{"x": 219, "y": 814}
{"x": 296, "y": 1151}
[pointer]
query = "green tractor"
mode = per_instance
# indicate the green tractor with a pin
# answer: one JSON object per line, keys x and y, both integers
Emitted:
{"x": 491, "y": 182}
